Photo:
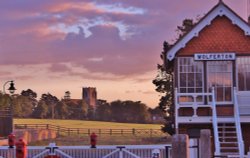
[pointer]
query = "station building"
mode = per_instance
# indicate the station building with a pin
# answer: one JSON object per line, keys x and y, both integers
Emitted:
{"x": 212, "y": 80}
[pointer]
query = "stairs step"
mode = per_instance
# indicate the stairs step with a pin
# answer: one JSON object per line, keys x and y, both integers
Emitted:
{"x": 227, "y": 132}
{"x": 229, "y": 153}
{"x": 228, "y": 147}
{"x": 228, "y": 137}
{"x": 229, "y": 143}
{"x": 226, "y": 126}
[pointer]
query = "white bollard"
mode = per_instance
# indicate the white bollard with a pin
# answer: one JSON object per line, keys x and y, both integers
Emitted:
{"x": 156, "y": 153}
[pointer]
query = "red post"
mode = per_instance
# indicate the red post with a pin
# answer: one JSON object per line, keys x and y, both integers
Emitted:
{"x": 21, "y": 149}
{"x": 93, "y": 138}
{"x": 11, "y": 140}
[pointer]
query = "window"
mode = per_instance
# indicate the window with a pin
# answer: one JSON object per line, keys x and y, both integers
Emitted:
{"x": 220, "y": 77}
{"x": 243, "y": 65}
{"x": 190, "y": 75}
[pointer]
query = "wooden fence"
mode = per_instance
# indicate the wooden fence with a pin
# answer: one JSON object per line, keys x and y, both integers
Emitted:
{"x": 87, "y": 131}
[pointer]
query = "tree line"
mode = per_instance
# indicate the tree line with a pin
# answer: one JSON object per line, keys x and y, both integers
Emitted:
{"x": 26, "y": 105}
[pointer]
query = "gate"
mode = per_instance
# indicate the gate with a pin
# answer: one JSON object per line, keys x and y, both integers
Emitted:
{"x": 104, "y": 151}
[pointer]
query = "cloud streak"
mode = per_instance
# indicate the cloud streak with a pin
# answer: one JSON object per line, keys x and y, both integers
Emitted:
{"x": 95, "y": 40}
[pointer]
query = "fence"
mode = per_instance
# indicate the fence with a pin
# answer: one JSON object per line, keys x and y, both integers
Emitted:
{"x": 86, "y": 131}
{"x": 128, "y": 151}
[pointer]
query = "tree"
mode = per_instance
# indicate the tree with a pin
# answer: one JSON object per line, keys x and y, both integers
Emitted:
{"x": 29, "y": 93}
{"x": 187, "y": 25}
{"x": 164, "y": 84}
{"x": 4, "y": 101}
{"x": 103, "y": 111}
{"x": 42, "y": 110}
{"x": 164, "y": 80}
{"x": 22, "y": 106}
{"x": 51, "y": 102}
{"x": 61, "y": 110}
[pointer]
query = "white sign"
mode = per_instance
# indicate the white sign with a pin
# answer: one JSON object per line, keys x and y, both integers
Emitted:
{"x": 215, "y": 56}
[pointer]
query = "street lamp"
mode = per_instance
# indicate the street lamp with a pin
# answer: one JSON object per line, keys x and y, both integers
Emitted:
{"x": 11, "y": 88}
{"x": 9, "y": 118}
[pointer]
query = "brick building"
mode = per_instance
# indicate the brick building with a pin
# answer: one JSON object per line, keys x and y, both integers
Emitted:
{"x": 212, "y": 80}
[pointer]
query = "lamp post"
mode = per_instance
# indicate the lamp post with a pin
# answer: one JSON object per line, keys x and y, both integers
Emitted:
{"x": 9, "y": 118}
{"x": 11, "y": 88}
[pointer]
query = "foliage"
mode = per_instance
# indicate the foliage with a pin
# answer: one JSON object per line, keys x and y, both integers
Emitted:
{"x": 164, "y": 81}
{"x": 103, "y": 111}
{"x": 4, "y": 101}
{"x": 22, "y": 106}
{"x": 164, "y": 85}
{"x": 48, "y": 106}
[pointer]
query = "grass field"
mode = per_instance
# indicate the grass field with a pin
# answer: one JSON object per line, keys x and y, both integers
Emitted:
{"x": 87, "y": 124}
{"x": 102, "y": 139}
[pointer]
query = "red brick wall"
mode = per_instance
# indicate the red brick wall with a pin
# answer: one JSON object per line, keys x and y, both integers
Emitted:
{"x": 220, "y": 36}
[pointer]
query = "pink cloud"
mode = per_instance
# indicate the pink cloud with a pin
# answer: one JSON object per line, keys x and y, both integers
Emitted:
{"x": 27, "y": 38}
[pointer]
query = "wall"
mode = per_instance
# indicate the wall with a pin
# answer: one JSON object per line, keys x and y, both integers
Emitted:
{"x": 31, "y": 135}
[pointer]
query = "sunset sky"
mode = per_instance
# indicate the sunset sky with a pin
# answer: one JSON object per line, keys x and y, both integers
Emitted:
{"x": 114, "y": 45}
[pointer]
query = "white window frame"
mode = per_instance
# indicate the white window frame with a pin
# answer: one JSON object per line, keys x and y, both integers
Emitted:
{"x": 237, "y": 73}
{"x": 202, "y": 77}
{"x": 208, "y": 86}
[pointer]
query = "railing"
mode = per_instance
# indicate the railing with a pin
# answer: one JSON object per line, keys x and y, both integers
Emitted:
{"x": 128, "y": 151}
{"x": 87, "y": 131}
{"x": 195, "y": 101}
{"x": 238, "y": 124}
{"x": 215, "y": 125}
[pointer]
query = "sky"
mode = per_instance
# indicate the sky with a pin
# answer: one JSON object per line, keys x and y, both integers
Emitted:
{"x": 53, "y": 46}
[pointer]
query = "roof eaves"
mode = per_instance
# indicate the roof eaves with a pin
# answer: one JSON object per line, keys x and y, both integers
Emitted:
{"x": 219, "y": 10}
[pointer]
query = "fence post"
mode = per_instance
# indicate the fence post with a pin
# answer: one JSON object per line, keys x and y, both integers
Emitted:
{"x": 180, "y": 146}
{"x": 205, "y": 143}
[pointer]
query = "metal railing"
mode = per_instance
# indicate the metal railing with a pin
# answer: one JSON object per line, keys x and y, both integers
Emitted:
{"x": 238, "y": 124}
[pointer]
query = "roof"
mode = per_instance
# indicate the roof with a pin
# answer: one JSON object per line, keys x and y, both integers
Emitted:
{"x": 221, "y": 9}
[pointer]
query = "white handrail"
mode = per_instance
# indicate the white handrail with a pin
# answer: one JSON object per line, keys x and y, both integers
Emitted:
{"x": 238, "y": 124}
{"x": 176, "y": 111}
{"x": 215, "y": 124}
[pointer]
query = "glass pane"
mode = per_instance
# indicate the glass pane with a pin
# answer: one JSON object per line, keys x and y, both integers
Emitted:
{"x": 219, "y": 94}
{"x": 198, "y": 80}
{"x": 228, "y": 94}
{"x": 190, "y": 79}
{"x": 241, "y": 81}
{"x": 190, "y": 90}
{"x": 183, "y": 80}
{"x": 183, "y": 90}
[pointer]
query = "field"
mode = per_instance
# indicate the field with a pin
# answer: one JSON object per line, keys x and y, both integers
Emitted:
{"x": 102, "y": 139}
{"x": 87, "y": 124}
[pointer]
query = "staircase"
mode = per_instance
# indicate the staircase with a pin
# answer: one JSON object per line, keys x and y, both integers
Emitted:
{"x": 227, "y": 135}
{"x": 228, "y": 139}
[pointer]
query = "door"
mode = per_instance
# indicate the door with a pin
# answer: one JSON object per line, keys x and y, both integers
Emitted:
{"x": 220, "y": 76}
